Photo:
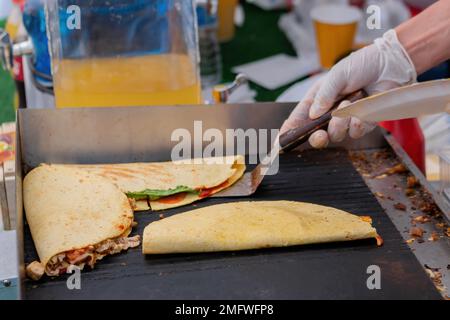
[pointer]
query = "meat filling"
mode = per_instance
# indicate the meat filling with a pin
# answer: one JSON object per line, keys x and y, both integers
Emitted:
{"x": 59, "y": 263}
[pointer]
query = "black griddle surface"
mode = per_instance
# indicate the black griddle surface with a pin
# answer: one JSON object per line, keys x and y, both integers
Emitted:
{"x": 323, "y": 271}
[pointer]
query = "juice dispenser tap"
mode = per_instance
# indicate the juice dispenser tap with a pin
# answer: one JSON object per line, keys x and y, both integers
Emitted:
{"x": 8, "y": 50}
{"x": 221, "y": 92}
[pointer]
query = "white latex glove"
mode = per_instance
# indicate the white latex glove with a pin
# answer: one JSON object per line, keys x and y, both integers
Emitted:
{"x": 381, "y": 66}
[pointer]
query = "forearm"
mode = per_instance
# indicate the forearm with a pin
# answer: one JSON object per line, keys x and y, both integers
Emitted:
{"x": 426, "y": 37}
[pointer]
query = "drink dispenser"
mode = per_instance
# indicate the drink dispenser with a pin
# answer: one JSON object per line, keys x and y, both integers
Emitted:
{"x": 123, "y": 52}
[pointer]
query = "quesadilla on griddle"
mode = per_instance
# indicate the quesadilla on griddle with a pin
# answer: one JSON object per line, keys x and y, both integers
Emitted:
{"x": 164, "y": 185}
{"x": 75, "y": 218}
{"x": 252, "y": 225}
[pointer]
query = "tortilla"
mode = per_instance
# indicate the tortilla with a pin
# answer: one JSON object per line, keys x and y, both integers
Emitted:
{"x": 203, "y": 177}
{"x": 69, "y": 209}
{"x": 252, "y": 225}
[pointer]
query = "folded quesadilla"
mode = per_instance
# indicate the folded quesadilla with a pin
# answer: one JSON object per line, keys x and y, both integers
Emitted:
{"x": 75, "y": 218}
{"x": 252, "y": 225}
{"x": 164, "y": 185}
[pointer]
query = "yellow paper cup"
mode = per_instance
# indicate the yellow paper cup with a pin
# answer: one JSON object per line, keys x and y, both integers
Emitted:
{"x": 225, "y": 13}
{"x": 335, "y": 27}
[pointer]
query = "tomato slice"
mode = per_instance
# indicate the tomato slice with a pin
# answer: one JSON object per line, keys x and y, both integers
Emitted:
{"x": 203, "y": 193}
{"x": 173, "y": 198}
{"x": 72, "y": 255}
{"x": 207, "y": 192}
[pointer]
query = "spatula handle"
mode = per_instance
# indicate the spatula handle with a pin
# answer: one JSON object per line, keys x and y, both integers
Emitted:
{"x": 295, "y": 137}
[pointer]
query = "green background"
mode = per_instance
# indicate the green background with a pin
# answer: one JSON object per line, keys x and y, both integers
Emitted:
{"x": 259, "y": 37}
{"x": 7, "y": 112}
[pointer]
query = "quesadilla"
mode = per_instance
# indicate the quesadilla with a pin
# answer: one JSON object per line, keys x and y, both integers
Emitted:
{"x": 252, "y": 225}
{"x": 164, "y": 185}
{"x": 75, "y": 218}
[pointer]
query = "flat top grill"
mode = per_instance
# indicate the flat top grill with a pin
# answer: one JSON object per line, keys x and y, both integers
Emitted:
{"x": 322, "y": 271}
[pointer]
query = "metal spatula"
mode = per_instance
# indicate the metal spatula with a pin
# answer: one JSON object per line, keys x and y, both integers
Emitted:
{"x": 411, "y": 101}
{"x": 291, "y": 139}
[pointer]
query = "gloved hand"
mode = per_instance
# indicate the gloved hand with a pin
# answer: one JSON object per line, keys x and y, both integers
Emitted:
{"x": 381, "y": 66}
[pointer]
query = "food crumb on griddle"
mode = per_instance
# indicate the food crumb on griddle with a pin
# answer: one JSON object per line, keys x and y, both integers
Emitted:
{"x": 412, "y": 182}
{"x": 440, "y": 225}
{"x": 434, "y": 236}
{"x": 436, "y": 277}
{"x": 398, "y": 168}
{"x": 400, "y": 206}
{"x": 379, "y": 195}
{"x": 416, "y": 232}
{"x": 422, "y": 219}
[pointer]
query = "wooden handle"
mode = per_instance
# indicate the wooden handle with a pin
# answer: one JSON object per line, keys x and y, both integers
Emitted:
{"x": 295, "y": 137}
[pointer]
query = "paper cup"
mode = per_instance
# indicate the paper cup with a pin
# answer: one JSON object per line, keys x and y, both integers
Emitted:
{"x": 226, "y": 28}
{"x": 335, "y": 27}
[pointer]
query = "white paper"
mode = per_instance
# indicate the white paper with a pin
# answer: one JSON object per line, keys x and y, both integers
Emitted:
{"x": 297, "y": 91}
{"x": 279, "y": 70}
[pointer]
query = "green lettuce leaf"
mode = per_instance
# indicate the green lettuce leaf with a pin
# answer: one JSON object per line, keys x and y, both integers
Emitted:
{"x": 153, "y": 194}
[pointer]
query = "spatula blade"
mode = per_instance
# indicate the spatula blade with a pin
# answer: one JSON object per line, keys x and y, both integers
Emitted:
{"x": 245, "y": 186}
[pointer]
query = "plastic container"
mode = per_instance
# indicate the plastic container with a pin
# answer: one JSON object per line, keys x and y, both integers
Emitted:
{"x": 124, "y": 52}
{"x": 34, "y": 21}
{"x": 210, "y": 57}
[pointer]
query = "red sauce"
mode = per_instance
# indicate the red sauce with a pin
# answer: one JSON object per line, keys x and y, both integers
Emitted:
{"x": 366, "y": 219}
{"x": 207, "y": 192}
{"x": 379, "y": 241}
{"x": 173, "y": 198}
{"x": 73, "y": 254}
{"x": 203, "y": 194}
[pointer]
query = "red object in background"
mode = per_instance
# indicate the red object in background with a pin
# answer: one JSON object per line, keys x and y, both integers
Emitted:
{"x": 409, "y": 135}
{"x": 20, "y": 3}
{"x": 414, "y": 11}
{"x": 18, "y": 69}
{"x": 357, "y": 3}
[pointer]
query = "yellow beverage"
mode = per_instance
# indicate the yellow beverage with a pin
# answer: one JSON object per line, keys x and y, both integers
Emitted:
{"x": 225, "y": 13}
{"x": 12, "y": 30}
{"x": 166, "y": 79}
{"x": 334, "y": 43}
{"x": 336, "y": 27}
{"x": 13, "y": 23}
